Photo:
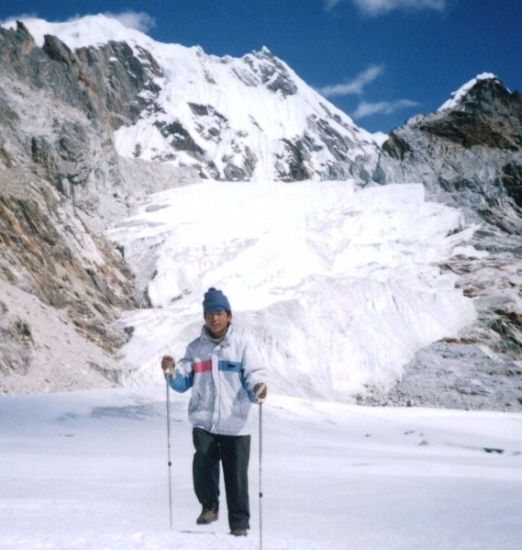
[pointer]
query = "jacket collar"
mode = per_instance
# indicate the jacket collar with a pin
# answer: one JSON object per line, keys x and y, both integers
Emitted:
{"x": 205, "y": 335}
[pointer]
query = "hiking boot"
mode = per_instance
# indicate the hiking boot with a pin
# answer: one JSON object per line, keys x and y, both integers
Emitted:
{"x": 207, "y": 516}
{"x": 238, "y": 532}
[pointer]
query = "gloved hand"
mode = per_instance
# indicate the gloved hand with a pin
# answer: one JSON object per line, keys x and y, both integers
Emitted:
{"x": 168, "y": 364}
{"x": 260, "y": 391}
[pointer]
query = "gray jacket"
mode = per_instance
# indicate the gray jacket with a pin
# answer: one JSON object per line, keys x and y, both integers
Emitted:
{"x": 222, "y": 377}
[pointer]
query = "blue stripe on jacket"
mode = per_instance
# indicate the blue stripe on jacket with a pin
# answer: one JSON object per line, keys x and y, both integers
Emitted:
{"x": 230, "y": 366}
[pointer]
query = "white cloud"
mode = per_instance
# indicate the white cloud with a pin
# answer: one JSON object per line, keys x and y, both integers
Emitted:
{"x": 355, "y": 86}
{"x": 138, "y": 20}
{"x": 365, "y": 108}
{"x": 381, "y": 7}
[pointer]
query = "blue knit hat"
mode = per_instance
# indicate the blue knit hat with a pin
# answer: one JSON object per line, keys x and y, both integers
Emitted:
{"x": 215, "y": 300}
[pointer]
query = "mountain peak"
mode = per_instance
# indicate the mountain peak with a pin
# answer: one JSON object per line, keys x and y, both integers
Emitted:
{"x": 472, "y": 88}
{"x": 263, "y": 52}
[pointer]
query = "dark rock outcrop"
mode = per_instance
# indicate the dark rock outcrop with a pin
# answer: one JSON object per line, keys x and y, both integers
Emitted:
{"x": 472, "y": 144}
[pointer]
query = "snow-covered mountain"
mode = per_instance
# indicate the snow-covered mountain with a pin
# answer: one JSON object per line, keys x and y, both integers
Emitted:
{"x": 95, "y": 116}
{"x": 231, "y": 119}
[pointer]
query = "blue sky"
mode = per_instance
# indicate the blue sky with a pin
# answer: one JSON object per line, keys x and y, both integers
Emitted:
{"x": 380, "y": 61}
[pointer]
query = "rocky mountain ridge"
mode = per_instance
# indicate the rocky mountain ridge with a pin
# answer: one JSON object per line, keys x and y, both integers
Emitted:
{"x": 469, "y": 154}
{"x": 87, "y": 130}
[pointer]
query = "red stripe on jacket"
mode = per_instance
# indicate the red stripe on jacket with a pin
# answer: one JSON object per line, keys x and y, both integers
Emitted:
{"x": 202, "y": 366}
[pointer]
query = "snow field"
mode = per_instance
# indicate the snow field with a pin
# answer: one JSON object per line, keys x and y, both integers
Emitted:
{"x": 88, "y": 471}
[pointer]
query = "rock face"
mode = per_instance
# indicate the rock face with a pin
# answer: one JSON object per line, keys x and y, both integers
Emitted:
{"x": 469, "y": 154}
{"x": 59, "y": 108}
{"x": 471, "y": 148}
{"x": 56, "y": 162}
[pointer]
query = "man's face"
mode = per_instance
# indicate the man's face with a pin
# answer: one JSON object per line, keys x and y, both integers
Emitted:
{"x": 217, "y": 322}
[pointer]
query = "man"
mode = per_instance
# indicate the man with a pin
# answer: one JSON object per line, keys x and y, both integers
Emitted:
{"x": 225, "y": 373}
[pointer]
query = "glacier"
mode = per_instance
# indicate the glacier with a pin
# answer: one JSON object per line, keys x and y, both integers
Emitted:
{"x": 338, "y": 285}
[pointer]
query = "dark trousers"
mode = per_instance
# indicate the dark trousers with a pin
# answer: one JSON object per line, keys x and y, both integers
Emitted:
{"x": 234, "y": 453}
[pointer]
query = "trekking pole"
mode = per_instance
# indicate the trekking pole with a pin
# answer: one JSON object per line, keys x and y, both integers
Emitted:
{"x": 169, "y": 461}
{"x": 261, "y": 475}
